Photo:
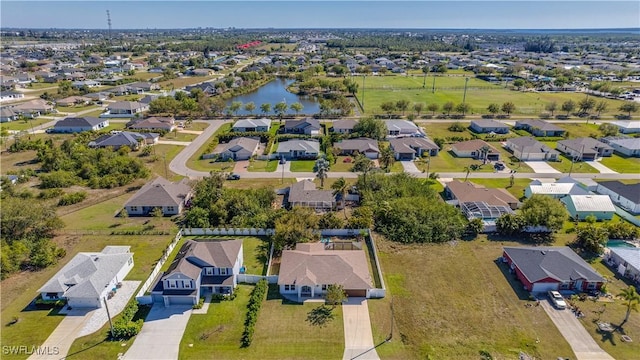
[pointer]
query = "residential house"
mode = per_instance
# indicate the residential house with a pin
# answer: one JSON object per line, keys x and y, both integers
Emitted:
{"x": 624, "y": 145}
{"x": 241, "y": 148}
{"x": 7, "y": 114}
{"x": 125, "y": 109}
{"x": 367, "y": 147}
{"x": 304, "y": 193}
{"x": 556, "y": 190}
{"x": 539, "y": 128}
{"x": 144, "y": 86}
{"x": 73, "y": 100}
{"x": 199, "y": 268}
{"x": 119, "y": 139}
{"x": 298, "y": 149}
{"x": 10, "y": 95}
{"x": 308, "y": 126}
{"x": 581, "y": 206}
{"x": 529, "y": 149}
{"x": 90, "y": 277}
{"x": 409, "y": 148}
{"x": 627, "y": 196}
{"x": 399, "y": 128}
{"x": 545, "y": 268}
{"x": 153, "y": 123}
{"x": 584, "y": 149}
{"x": 307, "y": 271}
{"x": 252, "y": 125}
{"x": 625, "y": 261}
{"x": 170, "y": 197}
{"x": 85, "y": 83}
{"x": 474, "y": 149}
{"x": 33, "y": 108}
{"x": 486, "y": 126}
{"x": 97, "y": 96}
{"x": 628, "y": 127}
{"x": 147, "y": 99}
{"x": 208, "y": 88}
{"x": 80, "y": 124}
{"x": 202, "y": 72}
{"x": 343, "y": 126}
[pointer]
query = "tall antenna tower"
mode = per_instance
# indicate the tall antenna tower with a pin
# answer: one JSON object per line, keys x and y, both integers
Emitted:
{"x": 109, "y": 23}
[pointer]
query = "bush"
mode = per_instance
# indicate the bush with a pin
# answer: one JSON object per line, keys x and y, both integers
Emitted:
{"x": 200, "y": 304}
{"x": 255, "y": 302}
{"x": 50, "y": 193}
{"x": 126, "y": 329}
{"x": 72, "y": 198}
{"x": 58, "y": 179}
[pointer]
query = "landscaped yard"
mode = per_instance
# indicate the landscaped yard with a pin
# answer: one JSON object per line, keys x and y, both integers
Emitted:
{"x": 302, "y": 165}
{"x": 453, "y": 301}
{"x": 282, "y": 331}
{"x": 446, "y": 161}
{"x": 622, "y": 164}
{"x": 263, "y": 165}
{"x": 564, "y": 166}
{"x": 341, "y": 165}
{"x": 195, "y": 162}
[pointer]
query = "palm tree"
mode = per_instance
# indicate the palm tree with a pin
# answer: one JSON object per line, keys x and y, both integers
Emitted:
{"x": 386, "y": 158}
{"x": 467, "y": 169}
{"x": 340, "y": 187}
{"x": 265, "y": 108}
{"x": 632, "y": 298}
{"x": 321, "y": 168}
{"x": 250, "y": 107}
{"x": 297, "y": 107}
{"x": 484, "y": 153}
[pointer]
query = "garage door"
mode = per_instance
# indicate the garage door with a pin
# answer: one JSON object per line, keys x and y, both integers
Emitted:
{"x": 356, "y": 293}
{"x": 84, "y": 303}
{"x": 180, "y": 300}
{"x": 544, "y": 287}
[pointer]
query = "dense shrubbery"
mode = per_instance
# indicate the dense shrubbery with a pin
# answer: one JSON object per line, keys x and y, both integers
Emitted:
{"x": 72, "y": 198}
{"x": 253, "y": 308}
{"x": 125, "y": 327}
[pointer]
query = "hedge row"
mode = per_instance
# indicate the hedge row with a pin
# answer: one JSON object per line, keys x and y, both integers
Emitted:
{"x": 124, "y": 327}
{"x": 255, "y": 302}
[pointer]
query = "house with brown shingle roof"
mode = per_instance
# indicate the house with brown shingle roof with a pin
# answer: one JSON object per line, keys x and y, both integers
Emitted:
{"x": 409, "y": 148}
{"x": 460, "y": 192}
{"x": 366, "y": 146}
{"x": 307, "y": 271}
{"x": 170, "y": 197}
{"x": 473, "y": 149}
{"x": 153, "y": 123}
{"x": 201, "y": 267}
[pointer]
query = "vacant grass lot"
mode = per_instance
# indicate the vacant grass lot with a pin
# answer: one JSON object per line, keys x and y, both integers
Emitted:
{"x": 452, "y": 301}
{"x": 446, "y": 161}
{"x": 441, "y": 130}
{"x": 257, "y": 183}
{"x": 195, "y": 162}
{"x": 26, "y": 125}
{"x": 263, "y": 165}
{"x": 77, "y": 108}
{"x": 179, "y": 136}
{"x": 163, "y": 155}
{"x": 282, "y": 331}
{"x": 622, "y": 164}
{"x": 302, "y": 165}
{"x": 579, "y": 130}
{"x": 181, "y": 82}
{"x": 480, "y": 94}
{"x": 564, "y": 166}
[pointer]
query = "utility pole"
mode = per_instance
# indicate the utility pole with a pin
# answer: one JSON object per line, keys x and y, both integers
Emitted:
{"x": 166, "y": 176}
{"x": 464, "y": 95}
{"x": 433, "y": 87}
{"x": 109, "y": 23}
{"x": 108, "y": 315}
{"x": 363, "y": 77}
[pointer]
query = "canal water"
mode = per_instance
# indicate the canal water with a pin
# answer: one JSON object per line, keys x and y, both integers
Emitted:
{"x": 274, "y": 92}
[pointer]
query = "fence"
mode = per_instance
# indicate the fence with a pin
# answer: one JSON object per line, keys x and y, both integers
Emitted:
{"x": 142, "y": 299}
{"x": 382, "y": 290}
{"x": 230, "y": 231}
{"x": 253, "y": 279}
{"x": 625, "y": 215}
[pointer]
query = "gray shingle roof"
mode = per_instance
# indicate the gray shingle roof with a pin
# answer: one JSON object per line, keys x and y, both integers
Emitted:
{"x": 360, "y": 144}
{"x": 195, "y": 255}
{"x": 485, "y": 123}
{"x": 587, "y": 142}
{"x": 160, "y": 192}
{"x": 305, "y": 191}
{"x": 302, "y": 124}
{"x": 249, "y": 123}
{"x": 630, "y": 255}
{"x": 122, "y": 138}
{"x": 344, "y": 124}
{"x": 126, "y": 105}
{"x": 407, "y": 145}
{"x": 79, "y": 122}
{"x": 629, "y": 191}
{"x": 529, "y": 145}
{"x": 540, "y": 124}
{"x": 299, "y": 145}
{"x": 560, "y": 263}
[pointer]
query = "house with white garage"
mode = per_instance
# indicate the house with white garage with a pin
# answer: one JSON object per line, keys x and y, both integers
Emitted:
{"x": 241, "y": 148}
{"x": 90, "y": 277}
{"x": 545, "y": 268}
{"x": 80, "y": 124}
{"x": 343, "y": 126}
{"x": 153, "y": 123}
{"x": 307, "y": 271}
{"x": 252, "y": 125}
{"x": 527, "y": 148}
{"x": 200, "y": 267}
{"x": 132, "y": 140}
{"x": 409, "y": 148}
{"x": 474, "y": 149}
{"x": 367, "y": 147}
{"x": 627, "y": 196}
{"x": 584, "y": 149}
{"x": 298, "y": 149}
{"x": 125, "y": 109}
{"x": 628, "y": 127}
{"x": 308, "y": 126}
{"x": 486, "y": 126}
{"x": 581, "y": 206}
{"x": 33, "y": 108}
{"x": 625, "y": 261}
{"x": 171, "y": 198}
{"x": 555, "y": 190}
{"x": 7, "y": 114}
{"x": 626, "y": 146}
{"x": 538, "y": 127}
{"x": 397, "y": 128}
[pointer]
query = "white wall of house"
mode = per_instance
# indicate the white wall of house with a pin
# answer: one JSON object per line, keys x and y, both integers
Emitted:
{"x": 622, "y": 201}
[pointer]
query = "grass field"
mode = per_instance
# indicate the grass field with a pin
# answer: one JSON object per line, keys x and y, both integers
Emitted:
{"x": 446, "y": 161}
{"x": 165, "y": 153}
{"x": 24, "y": 124}
{"x": 480, "y": 94}
{"x": 302, "y": 165}
{"x": 258, "y": 183}
{"x": 179, "y": 136}
{"x": 263, "y": 165}
{"x": 195, "y": 162}
{"x": 516, "y": 190}
{"x": 341, "y": 165}
{"x": 181, "y": 82}
{"x": 621, "y": 164}
{"x": 145, "y": 76}
{"x": 453, "y": 301}
{"x": 282, "y": 331}
{"x": 75, "y": 109}
{"x": 564, "y": 166}
{"x": 578, "y": 130}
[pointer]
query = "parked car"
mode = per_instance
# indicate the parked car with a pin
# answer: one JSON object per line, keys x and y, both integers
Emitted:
{"x": 557, "y": 300}
{"x": 499, "y": 166}
{"x": 283, "y": 160}
{"x": 233, "y": 177}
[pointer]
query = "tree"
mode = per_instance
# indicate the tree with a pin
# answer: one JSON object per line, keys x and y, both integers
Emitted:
{"x": 592, "y": 237}
{"x": 197, "y": 217}
{"x": 330, "y": 220}
{"x": 601, "y": 106}
{"x": 484, "y": 153}
{"x": 418, "y": 107}
{"x": 250, "y": 107}
{"x": 164, "y": 104}
{"x": 475, "y": 226}
{"x": 335, "y": 294}
{"x": 340, "y": 187}
{"x": 568, "y": 106}
{"x": 467, "y": 170}
{"x": 321, "y": 168}
{"x": 265, "y": 108}
{"x": 372, "y": 128}
{"x": 508, "y": 107}
{"x": 448, "y": 107}
{"x": 631, "y": 298}
{"x": 552, "y": 107}
{"x": 518, "y": 83}
{"x": 629, "y": 107}
{"x": 157, "y": 212}
{"x": 235, "y": 107}
{"x": 294, "y": 226}
{"x": 362, "y": 164}
{"x": 280, "y": 108}
{"x": 433, "y": 108}
{"x": 297, "y": 107}
{"x": 493, "y": 108}
{"x": 585, "y": 105}
{"x": 545, "y": 211}
{"x": 389, "y": 107}
{"x": 608, "y": 129}
{"x": 387, "y": 158}
{"x": 509, "y": 224}
{"x": 402, "y": 105}
{"x": 463, "y": 108}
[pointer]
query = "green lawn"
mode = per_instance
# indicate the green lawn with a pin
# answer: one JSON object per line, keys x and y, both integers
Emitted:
{"x": 397, "y": 167}
{"x": 453, "y": 301}
{"x": 441, "y": 130}
{"x": 302, "y": 165}
{"x": 446, "y": 161}
{"x": 263, "y": 165}
{"x": 75, "y": 109}
{"x": 195, "y": 162}
{"x": 282, "y": 331}
{"x": 255, "y": 183}
{"x": 516, "y": 190}
{"x": 622, "y": 164}
{"x": 511, "y": 161}
{"x": 24, "y": 124}
{"x": 198, "y": 126}
{"x": 579, "y": 130}
{"x": 179, "y": 136}
{"x": 564, "y": 166}
{"x": 159, "y": 164}
{"x": 95, "y": 113}
{"x": 41, "y": 85}
{"x": 341, "y": 165}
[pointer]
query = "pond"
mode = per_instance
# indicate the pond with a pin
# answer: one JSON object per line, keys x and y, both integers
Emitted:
{"x": 274, "y": 92}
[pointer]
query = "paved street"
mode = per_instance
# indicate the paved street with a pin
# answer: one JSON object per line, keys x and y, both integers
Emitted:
{"x": 179, "y": 164}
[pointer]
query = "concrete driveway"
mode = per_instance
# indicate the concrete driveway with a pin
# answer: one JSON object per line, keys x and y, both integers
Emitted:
{"x": 541, "y": 167}
{"x": 60, "y": 340}
{"x": 582, "y": 344}
{"x": 358, "y": 340}
{"x": 161, "y": 333}
{"x": 603, "y": 169}
{"x": 410, "y": 167}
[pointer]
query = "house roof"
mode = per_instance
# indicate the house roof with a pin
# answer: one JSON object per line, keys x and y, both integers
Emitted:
{"x": 160, "y": 192}
{"x": 311, "y": 264}
{"x": 312, "y": 146}
{"x": 152, "y": 123}
{"x": 556, "y": 188}
{"x": 404, "y": 126}
{"x": 486, "y": 123}
{"x": 344, "y": 124}
{"x": 195, "y": 255}
{"x": 627, "y": 124}
{"x": 631, "y": 143}
{"x": 540, "y": 124}
{"x": 88, "y": 273}
{"x": 559, "y": 263}
{"x": 629, "y": 255}
{"x": 6, "y": 112}
{"x": 587, "y": 143}
{"x": 629, "y": 191}
{"x": 242, "y": 143}
{"x": 126, "y": 105}
{"x": 122, "y": 138}
{"x": 360, "y": 144}
{"x": 302, "y": 124}
{"x": 470, "y": 192}
{"x": 590, "y": 202}
{"x": 409, "y": 144}
{"x": 305, "y": 191}
{"x": 529, "y": 145}
{"x": 249, "y": 123}
{"x": 473, "y": 145}
{"x": 79, "y": 122}
{"x": 33, "y": 105}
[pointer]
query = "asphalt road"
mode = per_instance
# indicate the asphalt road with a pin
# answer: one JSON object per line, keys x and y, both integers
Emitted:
{"x": 179, "y": 164}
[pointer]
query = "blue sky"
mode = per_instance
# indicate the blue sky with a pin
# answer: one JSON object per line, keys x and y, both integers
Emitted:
{"x": 513, "y": 14}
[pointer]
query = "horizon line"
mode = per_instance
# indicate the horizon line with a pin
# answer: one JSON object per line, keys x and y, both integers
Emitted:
{"x": 314, "y": 28}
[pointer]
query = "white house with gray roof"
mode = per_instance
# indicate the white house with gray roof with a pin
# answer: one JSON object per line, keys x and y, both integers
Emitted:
{"x": 397, "y": 128}
{"x": 554, "y": 189}
{"x": 125, "y": 109}
{"x": 89, "y": 277}
{"x": 304, "y": 193}
{"x": 624, "y": 145}
{"x": 80, "y": 124}
{"x": 584, "y": 149}
{"x": 367, "y": 147}
{"x": 298, "y": 149}
{"x": 489, "y": 126}
{"x": 252, "y": 125}
{"x": 538, "y": 127}
{"x": 627, "y": 196}
{"x": 242, "y": 148}
{"x": 409, "y": 148}
{"x": 625, "y": 261}
{"x": 527, "y": 148}
{"x": 628, "y": 126}
{"x": 125, "y": 138}
{"x": 170, "y": 197}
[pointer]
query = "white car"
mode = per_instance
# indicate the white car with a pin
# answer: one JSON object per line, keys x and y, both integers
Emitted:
{"x": 557, "y": 300}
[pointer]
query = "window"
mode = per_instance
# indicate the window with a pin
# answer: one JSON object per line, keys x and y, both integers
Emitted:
{"x": 289, "y": 288}
{"x": 133, "y": 208}
{"x": 591, "y": 286}
{"x": 187, "y": 284}
{"x": 324, "y": 287}
{"x": 223, "y": 271}
{"x": 172, "y": 284}
{"x": 130, "y": 261}
{"x": 171, "y": 209}
{"x": 52, "y": 295}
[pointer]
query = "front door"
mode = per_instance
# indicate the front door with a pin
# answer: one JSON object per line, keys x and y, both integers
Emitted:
{"x": 578, "y": 285}
{"x": 306, "y": 291}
